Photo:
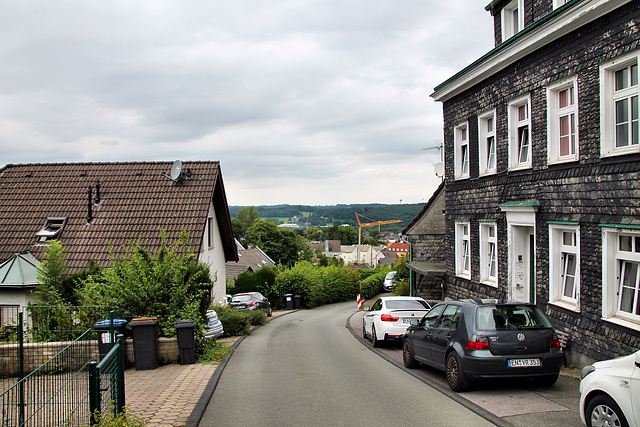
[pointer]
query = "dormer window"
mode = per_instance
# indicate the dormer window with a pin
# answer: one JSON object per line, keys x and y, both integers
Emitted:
{"x": 52, "y": 228}
{"x": 512, "y": 19}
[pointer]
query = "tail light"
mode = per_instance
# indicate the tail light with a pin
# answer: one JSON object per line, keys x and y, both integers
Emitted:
{"x": 478, "y": 342}
{"x": 252, "y": 303}
{"x": 555, "y": 342}
{"x": 389, "y": 318}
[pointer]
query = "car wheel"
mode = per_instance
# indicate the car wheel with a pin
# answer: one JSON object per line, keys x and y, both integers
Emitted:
{"x": 407, "y": 356}
{"x": 374, "y": 339}
{"x": 456, "y": 378}
{"x": 364, "y": 331}
{"x": 603, "y": 411}
{"x": 546, "y": 381}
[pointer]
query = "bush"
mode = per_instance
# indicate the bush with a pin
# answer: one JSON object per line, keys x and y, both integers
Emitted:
{"x": 256, "y": 317}
{"x": 372, "y": 285}
{"x": 401, "y": 288}
{"x": 212, "y": 352}
{"x": 234, "y": 322}
{"x": 299, "y": 280}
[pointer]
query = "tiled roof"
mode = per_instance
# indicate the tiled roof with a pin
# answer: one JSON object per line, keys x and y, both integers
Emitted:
{"x": 136, "y": 201}
{"x": 251, "y": 259}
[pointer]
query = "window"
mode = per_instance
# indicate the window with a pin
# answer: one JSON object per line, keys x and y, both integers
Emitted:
{"x": 564, "y": 265}
{"x": 52, "y": 229}
{"x": 487, "y": 142}
{"x": 512, "y": 19}
{"x": 562, "y": 103}
{"x": 210, "y": 231}
{"x": 489, "y": 253}
{"x": 558, "y": 3}
{"x": 620, "y": 118}
{"x": 520, "y": 133}
{"x": 621, "y": 275}
{"x": 463, "y": 250}
{"x": 461, "y": 138}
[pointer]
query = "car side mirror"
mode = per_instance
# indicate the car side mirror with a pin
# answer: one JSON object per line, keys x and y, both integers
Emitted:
{"x": 367, "y": 309}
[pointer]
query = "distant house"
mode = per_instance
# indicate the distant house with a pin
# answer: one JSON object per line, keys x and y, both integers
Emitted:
{"x": 251, "y": 259}
{"x": 95, "y": 209}
{"x": 369, "y": 254}
{"x": 398, "y": 249}
{"x": 18, "y": 278}
{"x": 426, "y": 233}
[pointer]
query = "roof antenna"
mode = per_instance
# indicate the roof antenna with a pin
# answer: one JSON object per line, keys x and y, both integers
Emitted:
{"x": 97, "y": 199}
{"x": 89, "y": 206}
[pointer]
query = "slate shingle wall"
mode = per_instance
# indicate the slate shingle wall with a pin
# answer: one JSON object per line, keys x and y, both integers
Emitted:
{"x": 592, "y": 191}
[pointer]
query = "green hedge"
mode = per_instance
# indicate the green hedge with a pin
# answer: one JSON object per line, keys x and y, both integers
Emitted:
{"x": 235, "y": 323}
{"x": 372, "y": 285}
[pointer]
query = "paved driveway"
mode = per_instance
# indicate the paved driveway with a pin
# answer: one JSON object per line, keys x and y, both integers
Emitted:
{"x": 518, "y": 404}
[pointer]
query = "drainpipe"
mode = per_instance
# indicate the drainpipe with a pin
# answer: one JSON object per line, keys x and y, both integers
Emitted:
{"x": 411, "y": 273}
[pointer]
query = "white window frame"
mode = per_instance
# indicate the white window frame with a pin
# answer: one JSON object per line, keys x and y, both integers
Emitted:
{"x": 489, "y": 253}
{"x": 463, "y": 249}
{"x": 485, "y": 134}
{"x": 558, "y": 3}
{"x": 512, "y": 17}
{"x": 516, "y": 137}
{"x": 612, "y": 261}
{"x": 210, "y": 232}
{"x": 461, "y": 140}
{"x": 608, "y": 98}
{"x": 564, "y": 243}
{"x": 556, "y": 113}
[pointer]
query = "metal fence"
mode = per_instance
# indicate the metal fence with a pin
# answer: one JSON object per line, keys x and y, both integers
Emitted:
{"x": 47, "y": 359}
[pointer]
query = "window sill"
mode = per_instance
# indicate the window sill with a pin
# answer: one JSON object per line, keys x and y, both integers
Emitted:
{"x": 621, "y": 152}
{"x": 566, "y": 305}
{"x": 520, "y": 168}
{"x": 562, "y": 161}
{"x": 489, "y": 283}
{"x": 489, "y": 173}
{"x": 463, "y": 276}
{"x": 460, "y": 178}
{"x": 623, "y": 322}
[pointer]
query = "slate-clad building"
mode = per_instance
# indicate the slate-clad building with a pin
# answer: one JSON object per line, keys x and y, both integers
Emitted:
{"x": 542, "y": 160}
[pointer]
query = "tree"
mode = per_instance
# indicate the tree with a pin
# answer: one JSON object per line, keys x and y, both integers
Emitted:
{"x": 345, "y": 233}
{"x": 247, "y": 216}
{"x": 313, "y": 233}
{"x": 282, "y": 245}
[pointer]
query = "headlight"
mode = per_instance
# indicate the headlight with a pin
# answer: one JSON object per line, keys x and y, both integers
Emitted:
{"x": 586, "y": 371}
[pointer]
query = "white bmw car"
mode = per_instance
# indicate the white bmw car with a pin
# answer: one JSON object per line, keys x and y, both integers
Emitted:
{"x": 610, "y": 392}
{"x": 389, "y": 317}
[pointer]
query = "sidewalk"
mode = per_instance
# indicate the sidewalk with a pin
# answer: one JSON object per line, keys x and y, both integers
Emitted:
{"x": 167, "y": 396}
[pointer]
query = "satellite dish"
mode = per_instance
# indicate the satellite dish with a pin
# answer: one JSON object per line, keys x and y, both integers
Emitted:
{"x": 438, "y": 168}
{"x": 176, "y": 170}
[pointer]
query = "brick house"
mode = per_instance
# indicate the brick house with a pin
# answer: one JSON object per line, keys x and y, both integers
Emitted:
{"x": 94, "y": 209}
{"x": 542, "y": 169}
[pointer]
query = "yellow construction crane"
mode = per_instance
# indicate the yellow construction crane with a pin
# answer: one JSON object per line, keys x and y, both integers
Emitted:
{"x": 369, "y": 224}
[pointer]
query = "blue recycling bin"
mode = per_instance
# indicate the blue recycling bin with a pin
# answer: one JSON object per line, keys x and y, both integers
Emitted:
{"x": 104, "y": 338}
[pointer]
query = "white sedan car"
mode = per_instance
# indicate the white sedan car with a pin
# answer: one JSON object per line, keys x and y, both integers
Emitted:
{"x": 610, "y": 392}
{"x": 389, "y": 317}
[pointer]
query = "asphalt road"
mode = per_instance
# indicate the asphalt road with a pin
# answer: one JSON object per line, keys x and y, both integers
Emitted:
{"x": 306, "y": 368}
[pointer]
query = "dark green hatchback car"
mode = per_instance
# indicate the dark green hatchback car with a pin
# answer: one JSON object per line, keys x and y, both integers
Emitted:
{"x": 482, "y": 339}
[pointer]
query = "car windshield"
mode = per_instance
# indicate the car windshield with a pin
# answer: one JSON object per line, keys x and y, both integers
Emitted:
{"x": 505, "y": 317}
{"x": 241, "y": 298}
{"x": 407, "y": 304}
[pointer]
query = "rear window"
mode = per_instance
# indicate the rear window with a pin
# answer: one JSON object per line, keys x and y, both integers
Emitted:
{"x": 508, "y": 317}
{"x": 407, "y": 304}
{"x": 241, "y": 298}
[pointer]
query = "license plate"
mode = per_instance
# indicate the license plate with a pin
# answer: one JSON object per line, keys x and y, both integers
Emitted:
{"x": 407, "y": 320}
{"x": 523, "y": 363}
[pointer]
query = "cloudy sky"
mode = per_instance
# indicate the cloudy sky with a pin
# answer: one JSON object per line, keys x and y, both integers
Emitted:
{"x": 302, "y": 101}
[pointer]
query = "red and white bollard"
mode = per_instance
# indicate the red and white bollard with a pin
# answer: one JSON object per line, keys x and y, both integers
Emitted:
{"x": 359, "y": 301}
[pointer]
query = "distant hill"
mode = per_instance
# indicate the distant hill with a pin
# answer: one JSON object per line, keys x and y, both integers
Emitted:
{"x": 321, "y": 216}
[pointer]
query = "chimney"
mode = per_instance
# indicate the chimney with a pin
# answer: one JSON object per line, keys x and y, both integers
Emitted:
{"x": 97, "y": 200}
{"x": 89, "y": 206}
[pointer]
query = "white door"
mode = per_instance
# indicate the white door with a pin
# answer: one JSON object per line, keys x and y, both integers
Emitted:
{"x": 522, "y": 285}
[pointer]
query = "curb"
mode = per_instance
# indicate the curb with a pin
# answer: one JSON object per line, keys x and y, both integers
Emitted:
{"x": 198, "y": 411}
{"x": 446, "y": 391}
